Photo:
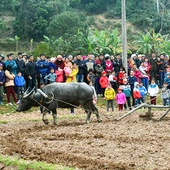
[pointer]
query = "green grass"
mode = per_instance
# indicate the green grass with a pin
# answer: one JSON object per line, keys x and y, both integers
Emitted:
{"x": 22, "y": 164}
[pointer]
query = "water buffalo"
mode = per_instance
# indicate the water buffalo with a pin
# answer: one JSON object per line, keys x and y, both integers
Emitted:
{"x": 60, "y": 95}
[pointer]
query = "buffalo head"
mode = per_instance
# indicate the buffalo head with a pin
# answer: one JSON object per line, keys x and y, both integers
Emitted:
{"x": 26, "y": 101}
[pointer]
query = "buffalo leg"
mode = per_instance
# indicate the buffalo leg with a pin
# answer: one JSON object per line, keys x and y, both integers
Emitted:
{"x": 96, "y": 112}
{"x": 54, "y": 116}
{"x": 45, "y": 120}
{"x": 88, "y": 117}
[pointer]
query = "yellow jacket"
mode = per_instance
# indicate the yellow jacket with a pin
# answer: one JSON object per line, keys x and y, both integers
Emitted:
{"x": 72, "y": 76}
{"x": 109, "y": 94}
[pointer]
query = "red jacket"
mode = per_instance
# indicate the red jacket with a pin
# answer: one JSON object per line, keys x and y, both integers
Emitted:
{"x": 104, "y": 81}
{"x": 120, "y": 77}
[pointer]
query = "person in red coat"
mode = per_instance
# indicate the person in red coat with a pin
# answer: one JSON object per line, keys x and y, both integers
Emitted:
{"x": 104, "y": 81}
{"x": 120, "y": 76}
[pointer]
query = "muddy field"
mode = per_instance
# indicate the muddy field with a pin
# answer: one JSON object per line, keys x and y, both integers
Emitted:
{"x": 131, "y": 143}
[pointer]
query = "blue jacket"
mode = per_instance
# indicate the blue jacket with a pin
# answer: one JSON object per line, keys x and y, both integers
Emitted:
{"x": 13, "y": 64}
{"x": 2, "y": 77}
{"x": 51, "y": 77}
{"x": 167, "y": 80}
{"x": 142, "y": 91}
{"x": 42, "y": 67}
{"x": 19, "y": 81}
{"x": 126, "y": 90}
{"x": 131, "y": 81}
{"x": 52, "y": 65}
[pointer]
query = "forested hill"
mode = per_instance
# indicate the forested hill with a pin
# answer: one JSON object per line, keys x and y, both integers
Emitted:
{"x": 32, "y": 19}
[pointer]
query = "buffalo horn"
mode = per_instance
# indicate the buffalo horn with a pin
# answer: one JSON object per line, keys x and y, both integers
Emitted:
{"x": 41, "y": 92}
{"x": 29, "y": 94}
{"x": 26, "y": 91}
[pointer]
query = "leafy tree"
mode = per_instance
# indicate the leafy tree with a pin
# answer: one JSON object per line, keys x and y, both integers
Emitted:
{"x": 66, "y": 24}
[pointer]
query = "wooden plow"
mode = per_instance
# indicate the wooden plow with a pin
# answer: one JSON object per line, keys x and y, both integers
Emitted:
{"x": 148, "y": 114}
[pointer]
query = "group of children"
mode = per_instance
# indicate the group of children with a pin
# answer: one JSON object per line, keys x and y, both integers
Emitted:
{"x": 139, "y": 93}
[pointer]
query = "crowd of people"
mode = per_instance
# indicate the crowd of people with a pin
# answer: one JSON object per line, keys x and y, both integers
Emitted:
{"x": 104, "y": 73}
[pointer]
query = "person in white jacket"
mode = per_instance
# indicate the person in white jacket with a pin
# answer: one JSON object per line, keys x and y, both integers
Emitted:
{"x": 153, "y": 91}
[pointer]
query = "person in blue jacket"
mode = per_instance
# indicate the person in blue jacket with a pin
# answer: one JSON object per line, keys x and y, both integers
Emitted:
{"x": 143, "y": 92}
{"x": 19, "y": 81}
{"x": 11, "y": 61}
{"x": 42, "y": 66}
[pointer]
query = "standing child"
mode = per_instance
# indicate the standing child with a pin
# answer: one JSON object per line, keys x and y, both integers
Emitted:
{"x": 2, "y": 80}
{"x": 136, "y": 94}
{"x": 153, "y": 91}
{"x": 113, "y": 80}
{"x": 103, "y": 82}
{"x": 127, "y": 91}
{"x": 51, "y": 77}
{"x": 59, "y": 75}
{"x": 109, "y": 95}
{"x": 9, "y": 84}
{"x": 91, "y": 77}
{"x": 165, "y": 95}
{"x": 121, "y": 99}
{"x": 142, "y": 91}
{"x": 94, "y": 93}
{"x": 20, "y": 84}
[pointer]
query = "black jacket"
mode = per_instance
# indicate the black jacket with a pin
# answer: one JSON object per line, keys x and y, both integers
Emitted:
{"x": 81, "y": 67}
{"x": 21, "y": 65}
{"x": 30, "y": 69}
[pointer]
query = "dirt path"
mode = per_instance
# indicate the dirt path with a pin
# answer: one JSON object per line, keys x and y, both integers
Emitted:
{"x": 129, "y": 144}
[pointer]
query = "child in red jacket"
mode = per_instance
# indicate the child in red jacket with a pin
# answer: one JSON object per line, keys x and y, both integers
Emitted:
{"x": 104, "y": 81}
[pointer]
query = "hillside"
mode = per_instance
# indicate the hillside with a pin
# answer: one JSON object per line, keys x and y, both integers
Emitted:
{"x": 61, "y": 20}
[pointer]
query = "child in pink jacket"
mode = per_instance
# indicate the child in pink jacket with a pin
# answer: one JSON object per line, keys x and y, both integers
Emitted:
{"x": 60, "y": 75}
{"x": 121, "y": 98}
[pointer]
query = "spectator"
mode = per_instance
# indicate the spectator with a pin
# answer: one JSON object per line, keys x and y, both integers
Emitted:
{"x": 109, "y": 65}
{"x": 110, "y": 96}
{"x": 91, "y": 77}
{"x": 117, "y": 64}
{"x": 89, "y": 63}
{"x": 59, "y": 75}
{"x": 153, "y": 91}
{"x": 9, "y": 84}
{"x": 42, "y": 66}
{"x": 103, "y": 83}
{"x": 98, "y": 71}
{"x": 121, "y": 75}
{"x": 51, "y": 77}
{"x": 59, "y": 62}
{"x": 143, "y": 92}
{"x": 20, "y": 63}
{"x": 2, "y": 80}
{"x": 52, "y": 65}
{"x": 154, "y": 66}
{"x": 10, "y": 61}
{"x": 81, "y": 67}
{"x": 103, "y": 63}
{"x": 136, "y": 94}
{"x": 161, "y": 68}
{"x": 20, "y": 85}
{"x": 72, "y": 78}
{"x": 121, "y": 99}
{"x": 30, "y": 70}
{"x": 131, "y": 80}
{"x": 67, "y": 67}
{"x": 113, "y": 80}
{"x": 144, "y": 75}
{"x": 165, "y": 95}
{"x": 1, "y": 61}
{"x": 127, "y": 91}
{"x": 137, "y": 73}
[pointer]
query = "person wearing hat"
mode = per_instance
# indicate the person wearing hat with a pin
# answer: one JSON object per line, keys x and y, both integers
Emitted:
{"x": 121, "y": 98}
{"x": 59, "y": 62}
{"x": 98, "y": 70}
{"x": 2, "y": 80}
